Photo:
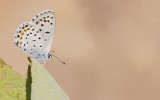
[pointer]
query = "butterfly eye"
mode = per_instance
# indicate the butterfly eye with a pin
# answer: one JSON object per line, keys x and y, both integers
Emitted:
{"x": 49, "y": 56}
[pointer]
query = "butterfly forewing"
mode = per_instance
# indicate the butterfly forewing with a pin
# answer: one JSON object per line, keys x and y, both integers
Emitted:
{"x": 45, "y": 21}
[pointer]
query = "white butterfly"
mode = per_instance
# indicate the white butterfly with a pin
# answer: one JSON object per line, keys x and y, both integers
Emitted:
{"x": 35, "y": 37}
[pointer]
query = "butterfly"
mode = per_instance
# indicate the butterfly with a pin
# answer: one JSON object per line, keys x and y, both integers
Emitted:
{"x": 35, "y": 37}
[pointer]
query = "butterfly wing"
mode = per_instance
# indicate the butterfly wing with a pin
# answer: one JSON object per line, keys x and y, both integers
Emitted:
{"x": 45, "y": 21}
{"x": 28, "y": 39}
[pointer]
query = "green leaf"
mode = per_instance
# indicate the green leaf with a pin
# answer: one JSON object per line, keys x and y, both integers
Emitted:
{"x": 12, "y": 85}
{"x": 39, "y": 84}
{"x": 43, "y": 86}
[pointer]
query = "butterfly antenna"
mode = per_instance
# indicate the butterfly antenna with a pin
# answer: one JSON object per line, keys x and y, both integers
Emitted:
{"x": 59, "y": 60}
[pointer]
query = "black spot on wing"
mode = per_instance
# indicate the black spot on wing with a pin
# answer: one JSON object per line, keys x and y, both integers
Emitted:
{"x": 17, "y": 43}
{"x": 37, "y": 22}
{"x": 47, "y": 32}
{"x": 40, "y": 29}
{"x": 42, "y": 24}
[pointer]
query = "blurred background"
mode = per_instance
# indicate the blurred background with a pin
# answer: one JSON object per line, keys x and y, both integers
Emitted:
{"x": 111, "y": 47}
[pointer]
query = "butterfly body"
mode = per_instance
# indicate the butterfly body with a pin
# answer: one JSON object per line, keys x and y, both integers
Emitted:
{"x": 35, "y": 37}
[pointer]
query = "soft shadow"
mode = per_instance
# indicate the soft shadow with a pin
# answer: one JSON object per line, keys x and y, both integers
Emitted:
{"x": 28, "y": 83}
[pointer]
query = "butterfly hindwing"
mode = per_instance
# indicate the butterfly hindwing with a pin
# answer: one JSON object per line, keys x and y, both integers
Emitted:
{"x": 28, "y": 38}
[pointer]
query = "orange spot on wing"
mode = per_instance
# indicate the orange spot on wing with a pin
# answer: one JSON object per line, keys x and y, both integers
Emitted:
{"x": 20, "y": 37}
{"x": 20, "y": 43}
{"x": 22, "y": 33}
{"x": 25, "y": 28}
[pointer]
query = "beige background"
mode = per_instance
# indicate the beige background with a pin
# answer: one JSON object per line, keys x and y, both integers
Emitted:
{"x": 111, "y": 47}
